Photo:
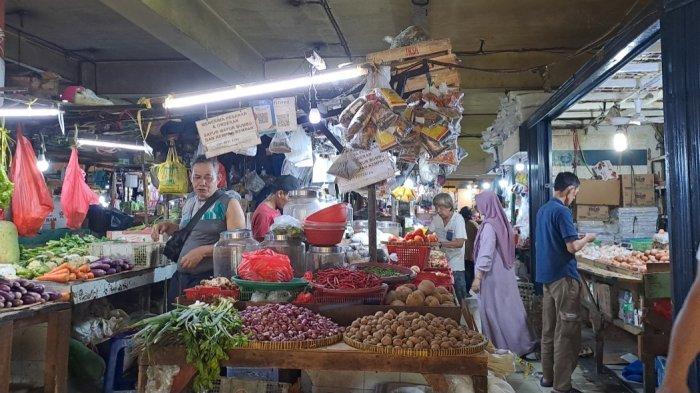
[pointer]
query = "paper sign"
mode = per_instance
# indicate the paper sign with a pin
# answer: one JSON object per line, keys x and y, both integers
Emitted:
{"x": 263, "y": 115}
{"x": 376, "y": 166}
{"x": 285, "y": 113}
{"x": 236, "y": 130}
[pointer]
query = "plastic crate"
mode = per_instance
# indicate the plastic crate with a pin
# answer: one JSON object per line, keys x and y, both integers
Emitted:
{"x": 439, "y": 277}
{"x": 350, "y": 296}
{"x": 139, "y": 254}
{"x": 410, "y": 255}
{"x": 249, "y": 288}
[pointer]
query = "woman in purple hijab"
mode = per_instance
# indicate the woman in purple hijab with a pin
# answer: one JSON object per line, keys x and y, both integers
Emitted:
{"x": 503, "y": 318}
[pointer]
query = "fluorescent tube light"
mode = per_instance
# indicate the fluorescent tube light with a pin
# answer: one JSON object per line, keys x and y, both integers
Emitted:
{"x": 29, "y": 112}
{"x": 263, "y": 88}
{"x": 114, "y": 145}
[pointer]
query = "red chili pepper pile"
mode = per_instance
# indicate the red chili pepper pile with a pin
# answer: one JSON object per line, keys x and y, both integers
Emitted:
{"x": 346, "y": 279}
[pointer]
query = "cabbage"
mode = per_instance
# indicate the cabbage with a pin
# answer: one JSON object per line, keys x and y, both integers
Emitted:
{"x": 9, "y": 243}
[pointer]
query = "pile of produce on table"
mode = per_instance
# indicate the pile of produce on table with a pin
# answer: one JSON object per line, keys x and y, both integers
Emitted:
{"x": 419, "y": 237}
{"x": 438, "y": 259}
{"x": 101, "y": 267}
{"x": 219, "y": 282}
{"x": 286, "y": 322}
{"x": 425, "y": 294}
{"x": 208, "y": 332}
{"x": 603, "y": 252}
{"x": 619, "y": 256}
{"x": 38, "y": 261}
{"x": 342, "y": 278}
{"x": 380, "y": 271}
{"x": 14, "y": 293}
{"x": 411, "y": 331}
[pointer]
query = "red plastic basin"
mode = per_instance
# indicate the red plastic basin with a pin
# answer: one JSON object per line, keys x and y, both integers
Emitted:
{"x": 335, "y": 213}
{"x": 324, "y": 235}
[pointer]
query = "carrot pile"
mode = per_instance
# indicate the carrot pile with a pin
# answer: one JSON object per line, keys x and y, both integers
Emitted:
{"x": 65, "y": 273}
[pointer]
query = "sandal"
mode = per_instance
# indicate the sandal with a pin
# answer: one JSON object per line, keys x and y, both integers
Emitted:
{"x": 585, "y": 352}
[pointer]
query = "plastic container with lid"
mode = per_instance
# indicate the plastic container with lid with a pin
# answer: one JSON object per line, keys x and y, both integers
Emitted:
{"x": 303, "y": 203}
{"x": 294, "y": 248}
{"x": 229, "y": 250}
{"x": 325, "y": 257}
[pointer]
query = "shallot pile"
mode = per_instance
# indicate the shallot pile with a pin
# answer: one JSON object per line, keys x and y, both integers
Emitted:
{"x": 286, "y": 322}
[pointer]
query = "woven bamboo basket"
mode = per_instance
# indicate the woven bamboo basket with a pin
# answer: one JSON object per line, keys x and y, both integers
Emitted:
{"x": 294, "y": 345}
{"x": 464, "y": 351}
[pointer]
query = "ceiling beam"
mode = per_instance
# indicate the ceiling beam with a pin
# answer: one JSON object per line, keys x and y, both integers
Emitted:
{"x": 631, "y": 83}
{"x": 586, "y": 106}
{"x": 641, "y": 67}
{"x": 196, "y": 31}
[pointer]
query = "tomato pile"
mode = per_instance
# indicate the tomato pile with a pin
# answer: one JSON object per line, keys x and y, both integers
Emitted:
{"x": 416, "y": 238}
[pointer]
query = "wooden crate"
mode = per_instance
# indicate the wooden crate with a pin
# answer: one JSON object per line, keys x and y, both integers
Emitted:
{"x": 450, "y": 77}
{"x": 412, "y": 53}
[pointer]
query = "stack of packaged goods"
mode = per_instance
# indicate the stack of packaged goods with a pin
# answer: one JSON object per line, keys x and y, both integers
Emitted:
{"x": 636, "y": 222}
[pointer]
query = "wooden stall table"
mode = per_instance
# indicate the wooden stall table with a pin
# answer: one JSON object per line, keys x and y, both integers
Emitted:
{"x": 335, "y": 357}
{"x": 58, "y": 317}
{"x": 653, "y": 336}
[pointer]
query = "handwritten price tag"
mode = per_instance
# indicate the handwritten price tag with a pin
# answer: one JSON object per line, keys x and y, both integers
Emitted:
{"x": 231, "y": 131}
{"x": 376, "y": 166}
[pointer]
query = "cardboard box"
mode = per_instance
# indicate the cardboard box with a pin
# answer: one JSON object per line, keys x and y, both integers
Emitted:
{"x": 638, "y": 181}
{"x": 55, "y": 219}
{"x": 599, "y": 192}
{"x": 638, "y": 197}
{"x": 592, "y": 212}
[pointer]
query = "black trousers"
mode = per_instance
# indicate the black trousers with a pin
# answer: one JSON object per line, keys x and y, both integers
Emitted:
{"x": 469, "y": 273}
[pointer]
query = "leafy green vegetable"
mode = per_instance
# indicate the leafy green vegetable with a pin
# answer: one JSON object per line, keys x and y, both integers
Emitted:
{"x": 38, "y": 260}
{"x": 382, "y": 271}
{"x": 207, "y": 331}
{"x": 6, "y": 186}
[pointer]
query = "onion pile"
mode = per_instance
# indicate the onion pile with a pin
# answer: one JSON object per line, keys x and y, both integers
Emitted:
{"x": 286, "y": 322}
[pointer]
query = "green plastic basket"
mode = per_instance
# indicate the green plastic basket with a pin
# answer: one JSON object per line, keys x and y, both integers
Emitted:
{"x": 641, "y": 244}
{"x": 248, "y": 288}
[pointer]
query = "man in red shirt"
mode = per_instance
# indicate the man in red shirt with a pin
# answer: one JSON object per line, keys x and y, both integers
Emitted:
{"x": 270, "y": 208}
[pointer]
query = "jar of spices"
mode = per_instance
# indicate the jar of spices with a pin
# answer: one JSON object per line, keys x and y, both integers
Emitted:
{"x": 290, "y": 246}
{"x": 325, "y": 257}
{"x": 228, "y": 251}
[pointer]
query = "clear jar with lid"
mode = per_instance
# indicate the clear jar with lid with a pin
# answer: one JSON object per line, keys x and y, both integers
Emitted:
{"x": 292, "y": 247}
{"x": 303, "y": 203}
{"x": 325, "y": 257}
{"x": 228, "y": 251}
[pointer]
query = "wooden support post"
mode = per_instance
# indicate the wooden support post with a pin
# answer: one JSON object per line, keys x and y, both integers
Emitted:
{"x": 56, "y": 361}
{"x": 5, "y": 355}
{"x": 372, "y": 221}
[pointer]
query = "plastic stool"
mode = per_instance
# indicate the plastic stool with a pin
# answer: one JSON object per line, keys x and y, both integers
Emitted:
{"x": 113, "y": 380}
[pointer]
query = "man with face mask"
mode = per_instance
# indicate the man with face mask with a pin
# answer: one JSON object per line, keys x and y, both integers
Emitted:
{"x": 225, "y": 214}
{"x": 556, "y": 242}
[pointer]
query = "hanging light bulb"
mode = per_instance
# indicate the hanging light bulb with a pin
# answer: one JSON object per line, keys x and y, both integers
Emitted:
{"x": 503, "y": 183}
{"x": 314, "y": 116}
{"x": 42, "y": 164}
{"x": 486, "y": 185}
{"x": 620, "y": 141}
{"x": 519, "y": 167}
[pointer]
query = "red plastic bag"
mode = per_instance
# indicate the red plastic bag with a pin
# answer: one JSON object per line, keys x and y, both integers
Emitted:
{"x": 223, "y": 184}
{"x": 31, "y": 201}
{"x": 76, "y": 195}
{"x": 265, "y": 265}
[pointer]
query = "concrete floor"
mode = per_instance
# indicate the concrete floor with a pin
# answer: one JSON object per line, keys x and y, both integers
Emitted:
{"x": 585, "y": 377}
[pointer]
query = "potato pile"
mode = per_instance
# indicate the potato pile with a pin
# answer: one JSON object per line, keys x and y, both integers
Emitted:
{"x": 425, "y": 294}
{"x": 411, "y": 331}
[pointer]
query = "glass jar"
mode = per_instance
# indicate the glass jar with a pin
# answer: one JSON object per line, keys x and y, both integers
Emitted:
{"x": 302, "y": 203}
{"x": 229, "y": 250}
{"x": 292, "y": 247}
{"x": 325, "y": 257}
{"x": 391, "y": 227}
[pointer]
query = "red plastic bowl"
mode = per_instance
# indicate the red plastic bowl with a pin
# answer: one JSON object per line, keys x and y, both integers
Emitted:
{"x": 334, "y": 213}
{"x": 323, "y": 236}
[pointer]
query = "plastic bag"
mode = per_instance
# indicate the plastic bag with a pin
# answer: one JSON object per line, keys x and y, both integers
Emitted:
{"x": 265, "y": 265}
{"x": 286, "y": 225}
{"x": 250, "y": 151}
{"x": 345, "y": 165}
{"x": 172, "y": 174}
{"x": 31, "y": 201}
{"x": 302, "y": 149}
{"x": 280, "y": 143}
{"x": 76, "y": 195}
{"x": 253, "y": 182}
{"x": 222, "y": 184}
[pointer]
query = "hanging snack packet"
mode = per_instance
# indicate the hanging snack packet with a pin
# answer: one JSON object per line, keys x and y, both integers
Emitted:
{"x": 280, "y": 143}
{"x": 435, "y": 132}
{"x": 363, "y": 140}
{"x": 349, "y": 112}
{"x": 448, "y": 157}
{"x": 345, "y": 165}
{"x": 360, "y": 120}
{"x": 386, "y": 140}
{"x": 415, "y": 99}
{"x": 383, "y": 117}
{"x": 390, "y": 98}
{"x": 432, "y": 146}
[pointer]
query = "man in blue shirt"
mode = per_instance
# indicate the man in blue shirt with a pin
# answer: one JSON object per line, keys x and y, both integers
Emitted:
{"x": 556, "y": 242}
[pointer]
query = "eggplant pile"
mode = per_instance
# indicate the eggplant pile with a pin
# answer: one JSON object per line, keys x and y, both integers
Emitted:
{"x": 105, "y": 266}
{"x": 14, "y": 293}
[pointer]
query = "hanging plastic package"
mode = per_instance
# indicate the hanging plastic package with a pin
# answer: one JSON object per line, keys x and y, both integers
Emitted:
{"x": 6, "y": 186}
{"x": 302, "y": 149}
{"x": 76, "y": 195}
{"x": 172, "y": 175}
{"x": 427, "y": 171}
{"x": 280, "y": 143}
{"x": 31, "y": 202}
{"x": 253, "y": 182}
{"x": 223, "y": 184}
{"x": 345, "y": 165}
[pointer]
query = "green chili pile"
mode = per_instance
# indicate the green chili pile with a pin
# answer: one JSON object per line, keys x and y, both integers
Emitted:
{"x": 382, "y": 271}
{"x": 207, "y": 331}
